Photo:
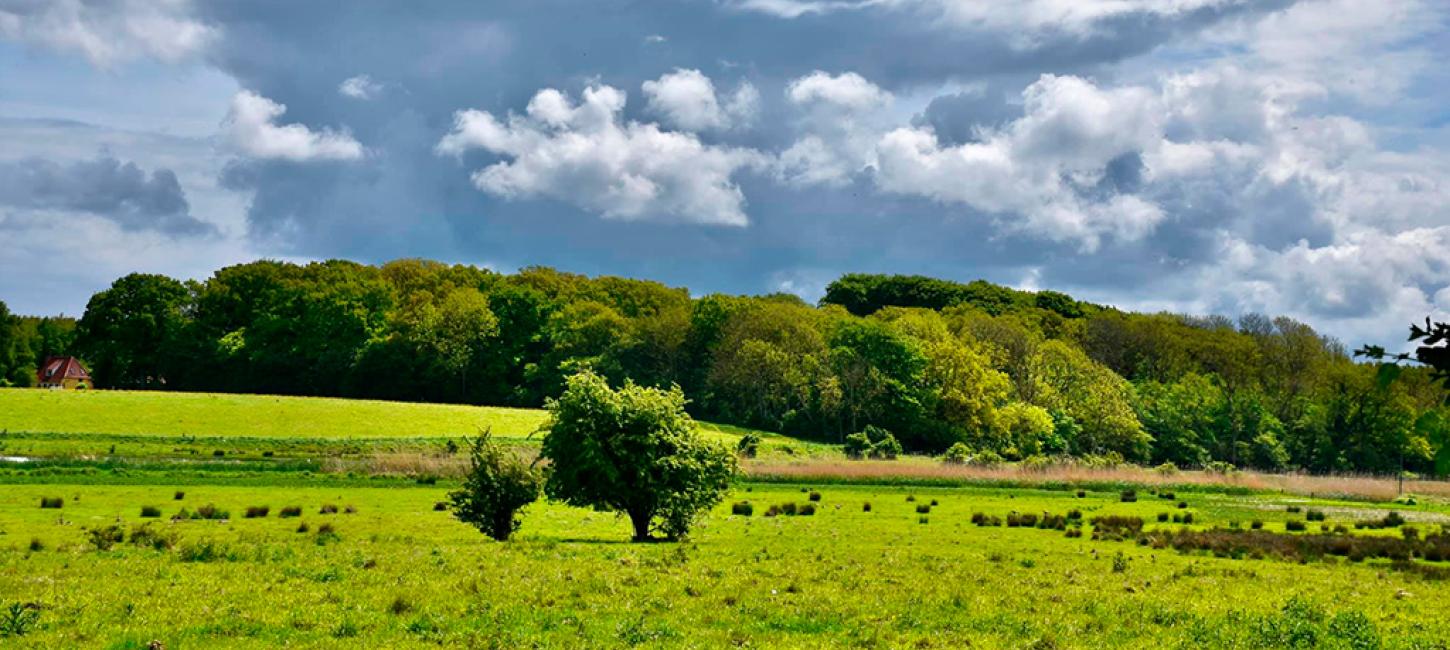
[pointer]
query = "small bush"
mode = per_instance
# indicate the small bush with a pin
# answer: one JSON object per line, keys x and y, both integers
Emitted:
{"x": 210, "y": 512}
{"x": 268, "y": 454}
{"x": 866, "y": 507}
{"x": 1074, "y": 532}
{"x": 497, "y": 487}
{"x": 1295, "y": 526}
{"x": 440, "y": 506}
{"x": 218, "y": 453}
{"x": 350, "y": 510}
{"x": 1256, "y": 525}
{"x": 772, "y": 511}
{"x": 1120, "y": 563}
{"x": 742, "y": 508}
{"x": 748, "y": 446}
{"x": 957, "y": 454}
{"x": 106, "y": 538}
{"x": 1177, "y": 518}
{"x": 150, "y": 536}
{"x": 1294, "y": 510}
{"x": 1162, "y": 516}
{"x": 806, "y": 510}
{"x": 922, "y": 519}
{"x": 52, "y": 502}
{"x": 1082, "y": 494}
{"x": 1314, "y": 515}
{"x": 257, "y": 512}
{"x": 1166, "y": 469}
{"x": 934, "y": 503}
{"x": 1167, "y": 496}
{"x": 400, "y": 605}
{"x": 36, "y": 545}
{"x": 179, "y": 496}
{"x": 150, "y": 512}
{"x": 290, "y": 511}
{"x": 1128, "y": 496}
{"x": 328, "y": 509}
{"x": 303, "y": 527}
{"x": 923, "y": 508}
{"x": 1074, "y": 514}
{"x": 815, "y": 496}
{"x": 1182, "y": 505}
{"x": 787, "y": 509}
{"x": 1187, "y": 517}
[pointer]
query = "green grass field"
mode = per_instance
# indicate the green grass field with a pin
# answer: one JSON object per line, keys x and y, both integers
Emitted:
{"x": 396, "y": 573}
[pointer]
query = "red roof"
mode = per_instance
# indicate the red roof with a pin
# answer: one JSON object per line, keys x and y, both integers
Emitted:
{"x": 58, "y": 369}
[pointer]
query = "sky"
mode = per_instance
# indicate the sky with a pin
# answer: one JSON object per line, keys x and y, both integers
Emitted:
{"x": 1202, "y": 156}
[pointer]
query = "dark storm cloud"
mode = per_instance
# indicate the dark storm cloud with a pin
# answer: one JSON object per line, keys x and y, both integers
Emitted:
{"x": 106, "y": 187}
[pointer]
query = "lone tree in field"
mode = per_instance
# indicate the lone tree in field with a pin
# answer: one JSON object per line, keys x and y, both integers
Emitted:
{"x": 635, "y": 451}
{"x": 497, "y": 486}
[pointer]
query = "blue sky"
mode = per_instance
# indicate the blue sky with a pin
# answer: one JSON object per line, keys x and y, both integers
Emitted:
{"x": 1205, "y": 156}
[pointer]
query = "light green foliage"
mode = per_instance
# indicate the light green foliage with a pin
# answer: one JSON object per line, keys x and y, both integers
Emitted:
{"x": 872, "y": 442}
{"x": 634, "y": 451}
{"x": 1023, "y": 430}
{"x": 497, "y": 485}
{"x": 1098, "y": 400}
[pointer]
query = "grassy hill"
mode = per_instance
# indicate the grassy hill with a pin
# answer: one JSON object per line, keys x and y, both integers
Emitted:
{"x": 151, "y": 413}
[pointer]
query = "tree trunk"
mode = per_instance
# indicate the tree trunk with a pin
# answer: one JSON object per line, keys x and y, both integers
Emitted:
{"x": 639, "y": 518}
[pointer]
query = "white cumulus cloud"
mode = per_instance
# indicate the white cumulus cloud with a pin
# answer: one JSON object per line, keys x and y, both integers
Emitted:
{"x": 359, "y": 87}
{"x": 687, "y": 100}
{"x": 586, "y": 154}
{"x": 252, "y": 129}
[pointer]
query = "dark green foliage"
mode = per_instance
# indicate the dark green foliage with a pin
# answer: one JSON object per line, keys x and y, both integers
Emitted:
{"x": 149, "y": 535}
{"x": 788, "y": 509}
{"x": 872, "y": 442}
{"x": 17, "y": 619}
{"x": 1182, "y": 505}
{"x": 1294, "y": 510}
{"x": 742, "y": 508}
{"x": 748, "y": 446}
{"x": 1295, "y": 526}
{"x": 1314, "y": 515}
{"x": 866, "y": 507}
{"x": 498, "y": 484}
{"x": 807, "y": 510}
{"x": 36, "y": 545}
{"x": 290, "y": 511}
{"x": 52, "y": 502}
{"x": 1116, "y": 526}
{"x": 1128, "y": 496}
{"x": 150, "y": 512}
{"x": 256, "y": 512}
{"x": 633, "y": 450}
{"x": 922, "y": 508}
{"x": 1162, "y": 516}
{"x": 1074, "y": 514}
{"x": 815, "y": 496}
{"x": 179, "y": 496}
{"x": 105, "y": 538}
{"x": 1256, "y": 524}
{"x": 327, "y": 509}
{"x": 440, "y": 506}
{"x": 1082, "y": 494}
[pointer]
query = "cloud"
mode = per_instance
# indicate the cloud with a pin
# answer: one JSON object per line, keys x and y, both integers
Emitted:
{"x": 359, "y": 87}
{"x": 687, "y": 100}
{"x": 252, "y": 131}
{"x": 586, "y": 155}
{"x": 108, "y": 32}
{"x": 847, "y": 90}
{"x": 105, "y": 187}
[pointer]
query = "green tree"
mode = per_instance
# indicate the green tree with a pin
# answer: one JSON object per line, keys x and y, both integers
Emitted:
{"x": 128, "y": 330}
{"x": 12, "y": 368}
{"x": 498, "y": 484}
{"x": 1099, "y": 400}
{"x": 635, "y": 451}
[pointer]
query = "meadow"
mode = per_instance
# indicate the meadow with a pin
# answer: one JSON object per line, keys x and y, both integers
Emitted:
{"x": 332, "y": 540}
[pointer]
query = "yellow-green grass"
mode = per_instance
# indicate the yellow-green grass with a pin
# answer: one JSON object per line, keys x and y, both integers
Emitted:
{"x": 216, "y": 415}
{"x": 400, "y": 574}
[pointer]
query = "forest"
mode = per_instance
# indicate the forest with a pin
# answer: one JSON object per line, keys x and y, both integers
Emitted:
{"x": 1008, "y": 375}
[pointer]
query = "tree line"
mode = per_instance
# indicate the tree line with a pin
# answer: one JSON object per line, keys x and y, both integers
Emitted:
{"x": 1008, "y": 374}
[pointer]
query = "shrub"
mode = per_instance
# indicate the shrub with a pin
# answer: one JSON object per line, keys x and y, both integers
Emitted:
{"x": 17, "y": 619}
{"x": 1082, "y": 494}
{"x": 36, "y": 544}
{"x": 1410, "y": 533}
{"x": 400, "y": 605}
{"x": 150, "y": 512}
{"x": 1167, "y": 496}
{"x": 857, "y": 446}
{"x": 1074, "y": 514}
{"x": 1052, "y": 522}
{"x": 1177, "y": 518}
{"x": 148, "y": 535}
{"x": 257, "y": 512}
{"x": 326, "y": 533}
{"x": 866, "y": 507}
{"x": 934, "y": 503}
{"x": 787, "y": 509}
{"x": 807, "y": 510}
{"x": 957, "y": 454}
{"x": 748, "y": 446}
{"x": 1294, "y": 510}
{"x": 1219, "y": 467}
{"x": 815, "y": 496}
{"x": 1314, "y": 515}
{"x": 303, "y": 527}
{"x": 922, "y": 508}
{"x": 1392, "y": 520}
{"x": 290, "y": 511}
{"x": 988, "y": 458}
{"x": 1120, "y": 563}
{"x": 772, "y": 511}
{"x": 742, "y": 508}
{"x": 218, "y": 453}
{"x": 440, "y": 506}
{"x": 1162, "y": 516}
{"x": 1116, "y": 527}
{"x": 350, "y": 509}
{"x": 328, "y": 509}
{"x": 1074, "y": 532}
{"x": 1294, "y": 526}
{"x": 179, "y": 496}
{"x": 497, "y": 486}
{"x": 52, "y": 502}
{"x": 1256, "y": 524}
{"x": 210, "y": 512}
{"x": 1166, "y": 469}
{"x": 922, "y": 519}
{"x": 106, "y": 538}
{"x": 1128, "y": 496}
{"x": 1187, "y": 517}
{"x": 268, "y": 454}
{"x": 910, "y": 498}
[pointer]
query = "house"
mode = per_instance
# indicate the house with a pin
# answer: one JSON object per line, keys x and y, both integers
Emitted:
{"x": 62, "y": 372}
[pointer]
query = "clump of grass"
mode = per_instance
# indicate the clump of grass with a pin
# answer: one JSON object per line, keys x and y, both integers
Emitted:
{"x": 52, "y": 502}
{"x": 934, "y": 502}
{"x": 1074, "y": 514}
{"x": 1052, "y": 522}
{"x": 982, "y": 519}
{"x": 1116, "y": 527}
{"x": 150, "y": 512}
{"x": 36, "y": 545}
{"x": 257, "y": 512}
{"x": 1182, "y": 505}
{"x": 1294, "y": 510}
{"x": 806, "y": 510}
{"x": 1315, "y": 515}
{"x": 1120, "y": 563}
{"x": 106, "y": 538}
{"x": 218, "y": 453}
{"x": 866, "y": 507}
{"x": 1391, "y": 519}
{"x": 923, "y": 508}
{"x": 1167, "y": 496}
{"x": 1074, "y": 533}
{"x": 910, "y": 498}
{"x": 326, "y": 533}
{"x": 1027, "y": 520}
{"x": 178, "y": 496}
{"x": 1187, "y": 517}
{"x": 788, "y": 509}
{"x": 350, "y": 510}
{"x": 1082, "y": 494}
{"x": 1162, "y": 516}
{"x": 303, "y": 527}
{"x": 815, "y": 496}
{"x": 150, "y": 536}
{"x": 328, "y": 509}
{"x": 1128, "y": 496}
{"x": 742, "y": 508}
{"x": 210, "y": 512}
{"x": 290, "y": 511}
{"x": 400, "y": 605}
{"x": 440, "y": 506}
{"x": 772, "y": 511}
{"x": 1256, "y": 524}
{"x": 922, "y": 519}
{"x": 1295, "y": 526}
